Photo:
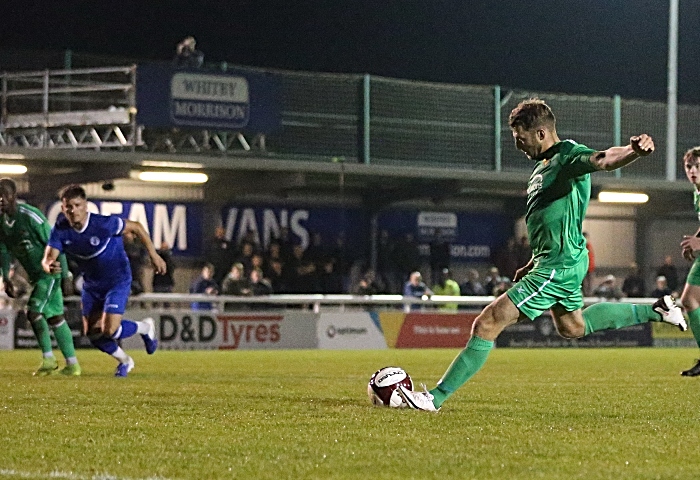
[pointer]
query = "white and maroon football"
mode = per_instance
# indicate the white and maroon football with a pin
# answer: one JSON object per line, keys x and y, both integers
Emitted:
{"x": 382, "y": 387}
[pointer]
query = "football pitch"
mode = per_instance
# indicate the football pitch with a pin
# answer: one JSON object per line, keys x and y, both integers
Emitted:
{"x": 529, "y": 414}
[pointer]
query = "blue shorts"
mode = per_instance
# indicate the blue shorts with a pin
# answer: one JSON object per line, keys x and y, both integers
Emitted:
{"x": 110, "y": 301}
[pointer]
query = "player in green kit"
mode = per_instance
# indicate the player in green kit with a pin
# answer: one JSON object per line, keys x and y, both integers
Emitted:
{"x": 691, "y": 292}
{"x": 24, "y": 233}
{"x": 557, "y": 198}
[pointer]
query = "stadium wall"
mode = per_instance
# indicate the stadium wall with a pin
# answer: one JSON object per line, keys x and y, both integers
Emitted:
{"x": 281, "y": 329}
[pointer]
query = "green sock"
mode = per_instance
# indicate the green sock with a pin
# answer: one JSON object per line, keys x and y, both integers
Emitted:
{"x": 463, "y": 367}
{"x": 41, "y": 331}
{"x": 694, "y": 324}
{"x": 64, "y": 338}
{"x": 609, "y": 316}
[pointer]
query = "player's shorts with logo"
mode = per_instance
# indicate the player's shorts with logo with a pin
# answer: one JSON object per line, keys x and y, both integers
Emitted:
{"x": 544, "y": 287}
{"x": 46, "y": 297}
{"x": 106, "y": 299}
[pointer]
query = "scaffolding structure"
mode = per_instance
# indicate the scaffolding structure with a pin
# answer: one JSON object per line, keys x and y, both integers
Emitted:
{"x": 95, "y": 108}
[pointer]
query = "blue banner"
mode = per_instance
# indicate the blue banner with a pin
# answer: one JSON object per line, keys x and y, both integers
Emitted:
{"x": 177, "y": 224}
{"x": 473, "y": 237}
{"x": 232, "y": 100}
{"x": 267, "y": 221}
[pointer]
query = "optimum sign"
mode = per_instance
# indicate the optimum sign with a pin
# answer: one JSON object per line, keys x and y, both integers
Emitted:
{"x": 209, "y": 100}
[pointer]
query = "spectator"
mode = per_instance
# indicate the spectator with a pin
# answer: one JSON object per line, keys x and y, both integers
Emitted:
{"x": 661, "y": 287}
{"x": 258, "y": 284}
{"x": 137, "y": 255}
{"x": 607, "y": 289}
{"x": 204, "y": 284}
{"x": 330, "y": 280}
{"x": 472, "y": 286}
{"x": 315, "y": 252}
{"x": 524, "y": 251}
{"x": 220, "y": 253}
{"x": 300, "y": 273}
{"x": 164, "y": 283}
{"x": 506, "y": 259}
{"x": 367, "y": 284}
{"x": 415, "y": 287}
{"x": 386, "y": 265}
{"x": 407, "y": 256}
{"x": 439, "y": 256}
{"x": 246, "y": 256}
{"x": 256, "y": 261}
{"x": 235, "y": 282}
{"x": 448, "y": 287}
{"x": 343, "y": 260}
{"x": 591, "y": 266}
{"x": 501, "y": 286}
{"x": 492, "y": 279}
{"x": 274, "y": 275}
{"x": 187, "y": 55}
{"x": 634, "y": 286}
{"x": 251, "y": 237}
{"x": 668, "y": 270}
{"x": 286, "y": 244}
{"x": 272, "y": 254}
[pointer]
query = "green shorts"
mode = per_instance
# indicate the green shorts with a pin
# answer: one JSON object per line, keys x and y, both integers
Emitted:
{"x": 544, "y": 287}
{"x": 694, "y": 274}
{"x": 46, "y": 297}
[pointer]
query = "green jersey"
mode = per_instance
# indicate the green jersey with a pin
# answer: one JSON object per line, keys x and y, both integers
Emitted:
{"x": 694, "y": 274}
{"x": 557, "y": 198}
{"x": 24, "y": 236}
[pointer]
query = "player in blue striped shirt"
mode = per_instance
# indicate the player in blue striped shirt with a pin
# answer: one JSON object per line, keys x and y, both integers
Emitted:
{"x": 95, "y": 243}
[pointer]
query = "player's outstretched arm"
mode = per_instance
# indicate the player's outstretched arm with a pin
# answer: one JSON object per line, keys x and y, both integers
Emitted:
{"x": 618, "y": 157}
{"x": 137, "y": 229}
{"x": 50, "y": 262}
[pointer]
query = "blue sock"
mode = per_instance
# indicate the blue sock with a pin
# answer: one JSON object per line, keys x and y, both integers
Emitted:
{"x": 105, "y": 344}
{"x": 126, "y": 329}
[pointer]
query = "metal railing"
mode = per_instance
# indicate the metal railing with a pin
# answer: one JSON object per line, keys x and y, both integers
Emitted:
{"x": 338, "y": 117}
{"x": 82, "y": 108}
{"x": 319, "y": 302}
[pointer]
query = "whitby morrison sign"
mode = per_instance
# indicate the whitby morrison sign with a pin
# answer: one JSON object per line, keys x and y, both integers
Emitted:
{"x": 196, "y": 98}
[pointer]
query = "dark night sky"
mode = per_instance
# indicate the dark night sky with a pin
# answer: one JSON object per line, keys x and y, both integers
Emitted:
{"x": 578, "y": 46}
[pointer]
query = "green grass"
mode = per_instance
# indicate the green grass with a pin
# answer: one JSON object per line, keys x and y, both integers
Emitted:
{"x": 529, "y": 414}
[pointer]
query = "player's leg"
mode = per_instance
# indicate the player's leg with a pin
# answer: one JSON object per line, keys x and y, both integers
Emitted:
{"x": 608, "y": 315}
{"x": 487, "y": 326}
{"x": 114, "y": 328}
{"x": 40, "y": 328}
{"x": 47, "y": 299}
{"x": 119, "y": 328}
{"x": 527, "y": 299}
{"x": 571, "y": 323}
{"x": 64, "y": 338}
{"x": 690, "y": 298}
{"x": 98, "y": 329}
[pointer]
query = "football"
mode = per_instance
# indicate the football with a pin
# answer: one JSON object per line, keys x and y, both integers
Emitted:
{"x": 382, "y": 387}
